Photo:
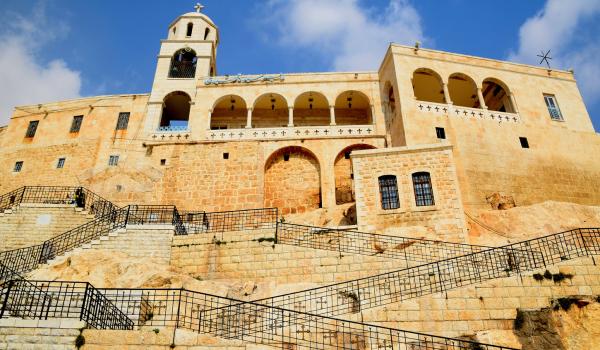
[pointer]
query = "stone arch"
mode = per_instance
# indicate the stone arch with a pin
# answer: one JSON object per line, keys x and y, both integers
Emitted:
{"x": 229, "y": 112}
{"x": 353, "y": 108}
{"x": 175, "y": 111}
{"x": 463, "y": 90}
{"x": 428, "y": 86}
{"x": 311, "y": 108}
{"x": 292, "y": 180}
{"x": 183, "y": 64}
{"x": 270, "y": 110}
{"x": 497, "y": 95}
{"x": 344, "y": 175}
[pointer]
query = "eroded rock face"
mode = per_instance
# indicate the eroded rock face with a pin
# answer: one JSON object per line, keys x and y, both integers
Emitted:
{"x": 499, "y": 201}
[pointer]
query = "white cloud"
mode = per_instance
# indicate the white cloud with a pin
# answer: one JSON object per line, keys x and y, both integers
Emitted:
{"x": 24, "y": 78}
{"x": 561, "y": 26}
{"x": 350, "y": 36}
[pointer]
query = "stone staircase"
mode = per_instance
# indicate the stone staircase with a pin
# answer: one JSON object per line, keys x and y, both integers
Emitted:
{"x": 32, "y": 223}
{"x": 55, "y": 334}
{"x": 140, "y": 241}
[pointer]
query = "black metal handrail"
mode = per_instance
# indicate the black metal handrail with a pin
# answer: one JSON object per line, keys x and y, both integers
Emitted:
{"x": 78, "y": 196}
{"x": 228, "y": 221}
{"x": 56, "y": 299}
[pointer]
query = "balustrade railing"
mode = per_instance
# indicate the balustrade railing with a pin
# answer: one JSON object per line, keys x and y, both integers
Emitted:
{"x": 227, "y": 221}
{"x": 296, "y": 132}
{"x": 466, "y": 112}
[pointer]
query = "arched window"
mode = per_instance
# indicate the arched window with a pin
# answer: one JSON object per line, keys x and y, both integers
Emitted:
{"x": 463, "y": 91}
{"x": 175, "y": 112}
{"x": 206, "y": 32}
{"x": 496, "y": 97}
{"x": 183, "y": 64}
{"x": 353, "y": 108}
{"x": 388, "y": 188}
{"x": 427, "y": 86}
{"x": 190, "y": 29}
{"x": 423, "y": 189}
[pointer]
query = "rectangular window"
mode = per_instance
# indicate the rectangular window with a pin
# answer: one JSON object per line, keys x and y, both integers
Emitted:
{"x": 18, "y": 166}
{"x": 32, "y": 128}
{"x": 76, "y": 124}
{"x": 423, "y": 189}
{"x": 524, "y": 142}
{"x": 123, "y": 121}
{"x": 61, "y": 163}
{"x": 388, "y": 188}
{"x": 553, "y": 108}
{"x": 113, "y": 161}
{"x": 441, "y": 133}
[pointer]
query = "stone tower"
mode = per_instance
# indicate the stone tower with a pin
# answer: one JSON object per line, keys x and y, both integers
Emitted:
{"x": 187, "y": 56}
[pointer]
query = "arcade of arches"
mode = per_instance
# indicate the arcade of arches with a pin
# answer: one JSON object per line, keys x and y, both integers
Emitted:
{"x": 292, "y": 181}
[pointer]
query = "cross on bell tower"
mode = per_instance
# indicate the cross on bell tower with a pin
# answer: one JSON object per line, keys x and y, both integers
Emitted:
{"x": 198, "y": 7}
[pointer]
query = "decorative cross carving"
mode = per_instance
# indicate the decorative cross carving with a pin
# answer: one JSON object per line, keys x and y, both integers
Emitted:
{"x": 329, "y": 336}
{"x": 303, "y": 331}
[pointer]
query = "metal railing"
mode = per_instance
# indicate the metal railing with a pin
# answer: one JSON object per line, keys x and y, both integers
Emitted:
{"x": 410, "y": 250}
{"x": 156, "y": 215}
{"x": 56, "y": 299}
{"x": 227, "y": 221}
{"x": 182, "y": 69}
{"x": 77, "y": 196}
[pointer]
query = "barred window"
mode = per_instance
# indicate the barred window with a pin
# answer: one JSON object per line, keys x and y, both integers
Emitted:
{"x": 388, "y": 187}
{"x": 32, "y": 128}
{"x": 61, "y": 163}
{"x": 423, "y": 189}
{"x": 76, "y": 124}
{"x": 113, "y": 161}
{"x": 18, "y": 166}
{"x": 123, "y": 121}
{"x": 553, "y": 108}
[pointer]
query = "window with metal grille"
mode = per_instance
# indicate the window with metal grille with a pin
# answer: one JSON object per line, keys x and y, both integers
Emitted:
{"x": 76, "y": 124}
{"x": 113, "y": 160}
{"x": 123, "y": 121}
{"x": 32, "y": 128}
{"x": 553, "y": 108}
{"x": 440, "y": 133}
{"x": 388, "y": 187}
{"x": 423, "y": 189}
{"x": 61, "y": 163}
{"x": 18, "y": 166}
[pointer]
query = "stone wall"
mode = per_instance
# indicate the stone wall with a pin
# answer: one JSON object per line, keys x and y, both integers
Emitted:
{"x": 252, "y": 256}
{"x": 30, "y": 224}
{"x": 490, "y": 305}
{"x": 443, "y": 221}
{"x": 56, "y": 334}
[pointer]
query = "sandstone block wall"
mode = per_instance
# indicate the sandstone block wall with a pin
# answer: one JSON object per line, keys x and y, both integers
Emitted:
{"x": 30, "y": 224}
{"x": 443, "y": 221}
{"x": 54, "y": 334}
{"x": 487, "y": 306}
{"x": 247, "y": 256}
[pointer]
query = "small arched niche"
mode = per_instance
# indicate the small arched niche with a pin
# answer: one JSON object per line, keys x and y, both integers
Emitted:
{"x": 311, "y": 109}
{"x": 229, "y": 112}
{"x": 427, "y": 86}
{"x": 463, "y": 91}
{"x": 176, "y": 111}
{"x": 352, "y": 108}
{"x": 496, "y": 96}
{"x": 183, "y": 64}
{"x": 270, "y": 110}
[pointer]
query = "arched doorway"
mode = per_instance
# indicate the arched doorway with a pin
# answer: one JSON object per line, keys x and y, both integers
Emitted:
{"x": 292, "y": 180}
{"x": 229, "y": 112}
{"x": 176, "y": 111}
{"x": 344, "y": 175}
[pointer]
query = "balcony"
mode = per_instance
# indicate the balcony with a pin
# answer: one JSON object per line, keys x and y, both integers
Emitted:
{"x": 286, "y": 133}
{"x": 171, "y": 133}
{"x": 466, "y": 113}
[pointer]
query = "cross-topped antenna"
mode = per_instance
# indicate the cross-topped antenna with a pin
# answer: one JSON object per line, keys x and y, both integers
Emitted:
{"x": 545, "y": 58}
{"x": 198, "y": 7}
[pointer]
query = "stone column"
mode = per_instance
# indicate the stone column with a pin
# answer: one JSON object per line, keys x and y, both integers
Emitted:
{"x": 331, "y": 115}
{"x": 513, "y": 102}
{"x": 373, "y": 115}
{"x": 446, "y": 93}
{"x": 210, "y": 111}
{"x": 249, "y": 119}
{"x": 481, "y": 99}
{"x": 291, "y": 117}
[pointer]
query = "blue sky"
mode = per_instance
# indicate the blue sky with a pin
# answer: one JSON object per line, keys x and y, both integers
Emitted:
{"x": 56, "y": 49}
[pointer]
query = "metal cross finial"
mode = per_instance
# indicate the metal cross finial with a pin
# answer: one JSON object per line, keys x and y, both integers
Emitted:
{"x": 198, "y": 7}
{"x": 545, "y": 58}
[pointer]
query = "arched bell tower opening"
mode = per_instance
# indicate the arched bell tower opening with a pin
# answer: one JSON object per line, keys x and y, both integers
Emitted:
{"x": 175, "y": 111}
{"x": 183, "y": 64}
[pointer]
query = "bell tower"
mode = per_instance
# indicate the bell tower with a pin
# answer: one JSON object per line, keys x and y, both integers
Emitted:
{"x": 187, "y": 56}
